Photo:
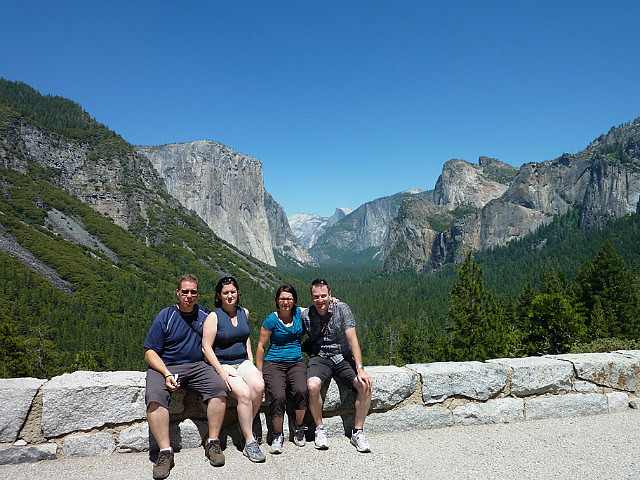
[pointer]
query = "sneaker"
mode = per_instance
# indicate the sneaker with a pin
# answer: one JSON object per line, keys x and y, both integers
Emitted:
{"x": 164, "y": 464}
{"x": 214, "y": 453}
{"x": 276, "y": 445}
{"x": 253, "y": 452}
{"x": 298, "y": 437}
{"x": 321, "y": 438}
{"x": 359, "y": 441}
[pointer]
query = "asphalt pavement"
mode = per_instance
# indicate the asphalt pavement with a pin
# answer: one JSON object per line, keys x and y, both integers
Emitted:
{"x": 592, "y": 447}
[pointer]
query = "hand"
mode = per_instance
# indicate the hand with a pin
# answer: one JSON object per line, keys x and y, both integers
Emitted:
{"x": 171, "y": 381}
{"x": 226, "y": 377}
{"x": 364, "y": 378}
{"x": 334, "y": 299}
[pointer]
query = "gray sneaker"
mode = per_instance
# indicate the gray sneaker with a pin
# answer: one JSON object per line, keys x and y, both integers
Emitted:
{"x": 214, "y": 453}
{"x": 164, "y": 464}
{"x": 359, "y": 441}
{"x": 276, "y": 445}
{"x": 252, "y": 452}
{"x": 298, "y": 436}
{"x": 321, "y": 441}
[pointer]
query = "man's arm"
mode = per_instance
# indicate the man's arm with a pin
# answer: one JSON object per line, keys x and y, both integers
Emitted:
{"x": 352, "y": 338}
{"x": 155, "y": 362}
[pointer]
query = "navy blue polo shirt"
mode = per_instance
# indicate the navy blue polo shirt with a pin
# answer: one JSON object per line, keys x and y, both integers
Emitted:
{"x": 175, "y": 339}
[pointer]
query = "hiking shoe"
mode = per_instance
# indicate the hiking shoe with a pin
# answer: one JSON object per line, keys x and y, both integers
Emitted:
{"x": 214, "y": 453}
{"x": 321, "y": 438}
{"x": 252, "y": 452}
{"x": 359, "y": 441}
{"x": 298, "y": 436}
{"x": 276, "y": 445}
{"x": 164, "y": 464}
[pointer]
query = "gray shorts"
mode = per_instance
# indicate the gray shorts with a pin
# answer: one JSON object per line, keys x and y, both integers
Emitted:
{"x": 199, "y": 377}
{"x": 324, "y": 369}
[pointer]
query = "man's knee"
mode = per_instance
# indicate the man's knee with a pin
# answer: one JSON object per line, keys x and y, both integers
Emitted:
{"x": 361, "y": 388}
{"x": 154, "y": 407}
{"x": 217, "y": 402}
{"x": 314, "y": 385}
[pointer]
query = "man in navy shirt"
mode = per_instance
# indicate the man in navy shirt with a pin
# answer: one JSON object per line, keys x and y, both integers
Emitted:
{"x": 173, "y": 349}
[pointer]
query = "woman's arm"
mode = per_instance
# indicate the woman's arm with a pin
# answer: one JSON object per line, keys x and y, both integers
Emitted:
{"x": 248, "y": 345}
{"x": 265, "y": 334}
{"x": 209, "y": 331}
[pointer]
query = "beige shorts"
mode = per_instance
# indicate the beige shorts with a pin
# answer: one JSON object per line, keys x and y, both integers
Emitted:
{"x": 241, "y": 370}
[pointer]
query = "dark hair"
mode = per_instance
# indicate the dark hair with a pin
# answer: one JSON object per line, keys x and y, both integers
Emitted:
{"x": 320, "y": 281}
{"x": 225, "y": 281}
{"x": 292, "y": 291}
{"x": 187, "y": 277}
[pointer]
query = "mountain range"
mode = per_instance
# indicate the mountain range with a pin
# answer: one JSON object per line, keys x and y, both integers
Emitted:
{"x": 486, "y": 205}
{"x": 472, "y": 206}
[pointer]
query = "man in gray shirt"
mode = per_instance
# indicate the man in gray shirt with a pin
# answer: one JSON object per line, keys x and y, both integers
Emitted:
{"x": 334, "y": 350}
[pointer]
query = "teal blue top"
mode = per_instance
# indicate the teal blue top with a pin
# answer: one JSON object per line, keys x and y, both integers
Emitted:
{"x": 285, "y": 341}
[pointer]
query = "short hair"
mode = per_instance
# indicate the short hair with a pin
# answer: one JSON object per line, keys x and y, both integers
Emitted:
{"x": 292, "y": 291}
{"x": 187, "y": 277}
{"x": 320, "y": 281}
{"x": 225, "y": 281}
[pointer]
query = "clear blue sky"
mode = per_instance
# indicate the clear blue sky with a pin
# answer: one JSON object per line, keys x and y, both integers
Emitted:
{"x": 342, "y": 101}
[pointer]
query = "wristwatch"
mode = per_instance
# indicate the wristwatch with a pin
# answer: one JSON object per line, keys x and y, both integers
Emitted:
{"x": 359, "y": 366}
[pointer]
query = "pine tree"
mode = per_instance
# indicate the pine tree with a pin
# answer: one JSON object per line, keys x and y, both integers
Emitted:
{"x": 607, "y": 282}
{"x": 478, "y": 322}
{"x": 553, "y": 325}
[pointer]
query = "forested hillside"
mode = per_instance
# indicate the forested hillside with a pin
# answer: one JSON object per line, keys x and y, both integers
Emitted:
{"x": 101, "y": 319}
{"x": 91, "y": 301}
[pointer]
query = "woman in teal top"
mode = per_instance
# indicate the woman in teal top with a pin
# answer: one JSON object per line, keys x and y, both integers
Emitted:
{"x": 283, "y": 369}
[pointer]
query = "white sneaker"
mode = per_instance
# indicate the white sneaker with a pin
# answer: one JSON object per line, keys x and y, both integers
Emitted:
{"x": 276, "y": 445}
{"x": 321, "y": 438}
{"x": 359, "y": 441}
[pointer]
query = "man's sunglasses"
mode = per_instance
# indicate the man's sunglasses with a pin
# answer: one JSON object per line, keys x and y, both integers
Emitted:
{"x": 187, "y": 292}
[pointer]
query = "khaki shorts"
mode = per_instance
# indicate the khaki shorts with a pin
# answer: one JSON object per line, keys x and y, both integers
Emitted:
{"x": 241, "y": 370}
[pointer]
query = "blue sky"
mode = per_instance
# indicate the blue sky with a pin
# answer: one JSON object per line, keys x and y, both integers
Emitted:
{"x": 342, "y": 101}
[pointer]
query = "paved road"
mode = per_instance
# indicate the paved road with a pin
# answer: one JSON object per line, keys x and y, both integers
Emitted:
{"x": 597, "y": 447}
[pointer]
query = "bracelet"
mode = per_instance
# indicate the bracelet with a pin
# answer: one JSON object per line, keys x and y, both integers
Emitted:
{"x": 170, "y": 375}
{"x": 359, "y": 366}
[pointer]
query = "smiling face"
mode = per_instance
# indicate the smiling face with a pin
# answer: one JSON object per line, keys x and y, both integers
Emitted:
{"x": 321, "y": 296}
{"x": 285, "y": 302}
{"x": 286, "y": 299}
{"x": 187, "y": 295}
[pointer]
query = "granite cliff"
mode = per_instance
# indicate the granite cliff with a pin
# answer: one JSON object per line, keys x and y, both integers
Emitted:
{"x": 417, "y": 237}
{"x": 603, "y": 181}
{"x": 120, "y": 186}
{"x": 360, "y": 236}
{"x": 226, "y": 189}
{"x": 223, "y": 187}
{"x": 308, "y": 227}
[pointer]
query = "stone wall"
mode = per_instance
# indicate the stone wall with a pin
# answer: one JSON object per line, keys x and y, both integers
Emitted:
{"x": 98, "y": 413}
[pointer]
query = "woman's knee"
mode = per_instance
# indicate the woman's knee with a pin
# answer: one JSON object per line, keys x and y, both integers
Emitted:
{"x": 241, "y": 392}
{"x": 256, "y": 384}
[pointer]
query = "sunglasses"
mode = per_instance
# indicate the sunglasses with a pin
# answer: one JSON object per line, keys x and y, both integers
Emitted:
{"x": 187, "y": 292}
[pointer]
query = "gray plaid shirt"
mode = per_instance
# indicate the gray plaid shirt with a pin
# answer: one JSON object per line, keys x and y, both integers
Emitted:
{"x": 334, "y": 343}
